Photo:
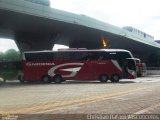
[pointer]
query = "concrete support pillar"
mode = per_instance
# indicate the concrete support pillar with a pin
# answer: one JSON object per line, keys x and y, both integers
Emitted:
{"x": 34, "y": 42}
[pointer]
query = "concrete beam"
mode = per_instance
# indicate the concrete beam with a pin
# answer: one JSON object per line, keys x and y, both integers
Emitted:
{"x": 33, "y": 42}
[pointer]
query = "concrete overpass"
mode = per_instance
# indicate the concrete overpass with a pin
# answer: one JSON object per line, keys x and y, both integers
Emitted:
{"x": 38, "y": 27}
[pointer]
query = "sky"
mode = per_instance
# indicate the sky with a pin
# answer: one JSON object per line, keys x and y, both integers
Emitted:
{"x": 141, "y": 14}
{"x": 6, "y": 44}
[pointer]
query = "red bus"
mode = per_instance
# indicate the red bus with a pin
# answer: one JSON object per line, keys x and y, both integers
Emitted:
{"x": 78, "y": 64}
{"x": 140, "y": 68}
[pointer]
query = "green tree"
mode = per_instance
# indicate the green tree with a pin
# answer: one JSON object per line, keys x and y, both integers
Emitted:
{"x": 1, "y": 56}
{"x": 12, "y": 55}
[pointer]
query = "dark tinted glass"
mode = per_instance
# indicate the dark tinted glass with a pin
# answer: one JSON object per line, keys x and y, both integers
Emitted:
{"x": 43, "y": 56}
{"x": 131, "y": 64}
{"x": 78, "y": 55}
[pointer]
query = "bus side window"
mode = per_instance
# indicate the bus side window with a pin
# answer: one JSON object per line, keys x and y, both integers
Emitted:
{"x": 63, "y": 56}
{"x": 57, "y": 56}
{"x": 96, "y": 56}
{"x": 83, "y": 56}
{"x": 66, "y": 56}
{"x": 105, "y": 55}
{"x": 89, "y": 57}
{"x": 92, "y": 56}
{"x": 100, "y": 58}
{"x": 73, "y": 56}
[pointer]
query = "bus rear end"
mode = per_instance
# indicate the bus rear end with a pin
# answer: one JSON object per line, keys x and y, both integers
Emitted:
{"x": 131, "y": 68}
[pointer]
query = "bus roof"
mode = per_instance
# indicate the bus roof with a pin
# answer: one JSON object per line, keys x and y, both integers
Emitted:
{"x": 107, "y": 50}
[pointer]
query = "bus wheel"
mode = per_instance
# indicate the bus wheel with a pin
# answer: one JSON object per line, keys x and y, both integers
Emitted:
{"x": 57, "y": 79}
{"x": 103, "y": 78}
{"x": 46, "y": 79}
{"x": 115, "y": 78}
{"x": 21, "y": 81}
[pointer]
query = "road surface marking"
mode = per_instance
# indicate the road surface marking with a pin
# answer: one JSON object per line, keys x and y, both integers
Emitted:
{"x": 51, "y": 106}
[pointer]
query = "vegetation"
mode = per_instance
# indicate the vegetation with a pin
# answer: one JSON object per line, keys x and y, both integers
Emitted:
{"x": 10, "y": 55}
{"x": 9, "y": 64}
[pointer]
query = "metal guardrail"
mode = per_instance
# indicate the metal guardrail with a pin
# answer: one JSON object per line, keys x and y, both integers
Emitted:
{"x": 153, "y": 70}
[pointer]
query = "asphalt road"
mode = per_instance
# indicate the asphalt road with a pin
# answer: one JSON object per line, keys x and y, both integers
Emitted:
{"x": 140, "y": 96}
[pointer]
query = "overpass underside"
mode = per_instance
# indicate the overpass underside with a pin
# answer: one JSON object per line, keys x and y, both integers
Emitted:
{"x": 37, "y": 33}
{"x": 33, "y": 33}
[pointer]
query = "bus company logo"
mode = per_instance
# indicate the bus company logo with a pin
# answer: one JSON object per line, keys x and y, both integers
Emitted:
{"x": 73, "y": 70}
{"x": 39, "y": 64}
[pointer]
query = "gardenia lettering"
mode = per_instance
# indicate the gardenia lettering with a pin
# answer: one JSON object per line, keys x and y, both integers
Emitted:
{"x": 39, "y": 64}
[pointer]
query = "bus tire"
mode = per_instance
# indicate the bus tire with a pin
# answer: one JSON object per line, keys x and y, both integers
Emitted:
{"x": 115, "y": 78}
{"x": 103, "y": 78}
{"x": 46, "y": 79}
{"x": 57, "y": 79}
{"x": 21, "y": 81}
